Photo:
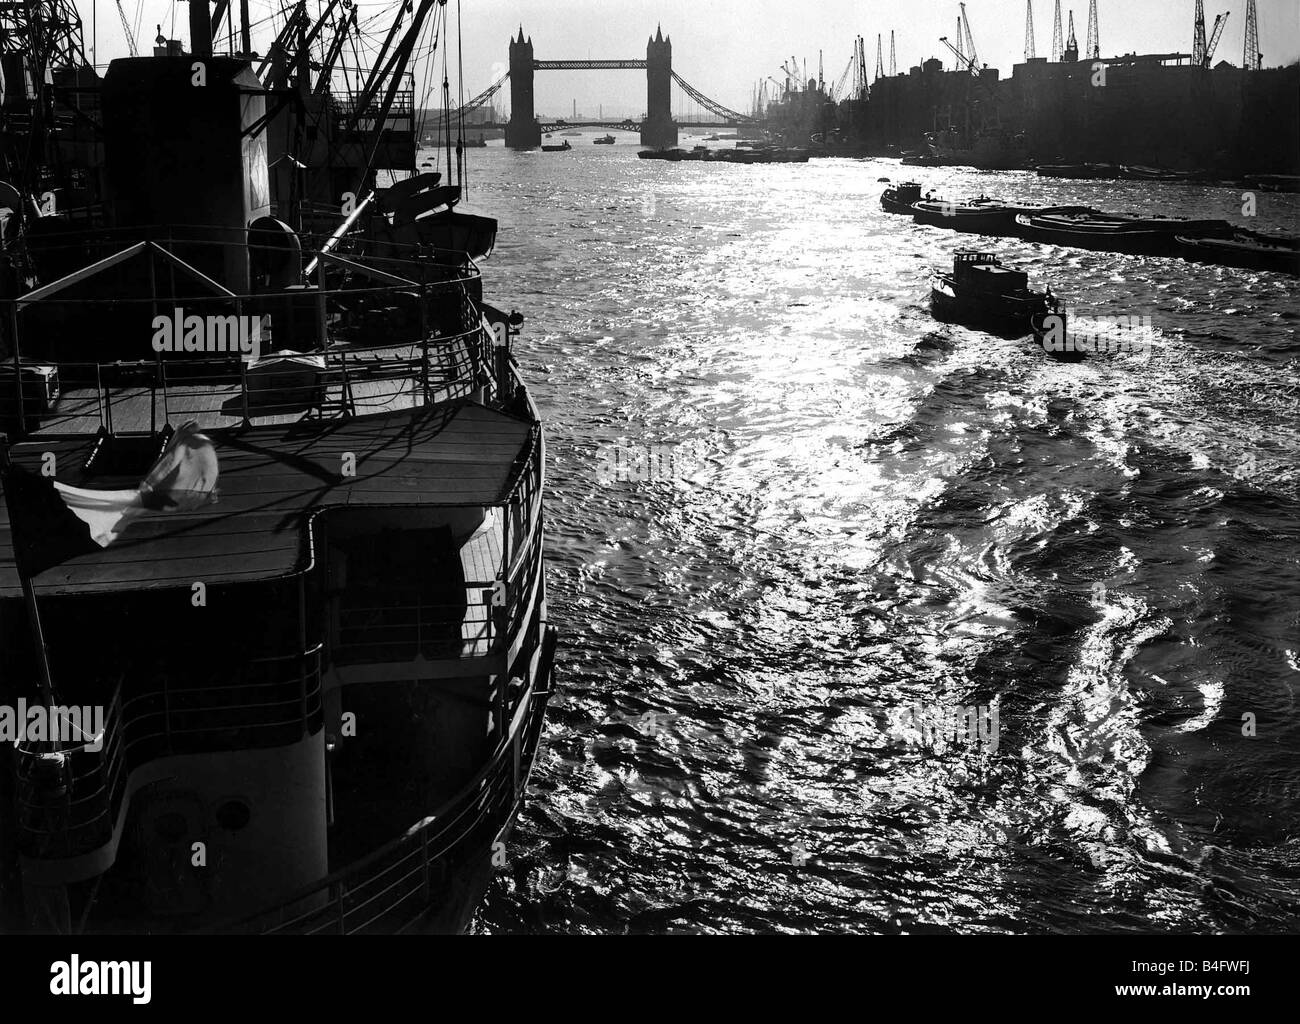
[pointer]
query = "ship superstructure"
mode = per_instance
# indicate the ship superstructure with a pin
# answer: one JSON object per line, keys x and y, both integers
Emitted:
{"x": 320, "y": 662}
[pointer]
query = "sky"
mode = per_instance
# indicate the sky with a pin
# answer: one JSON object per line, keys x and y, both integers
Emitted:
{"x": 724, "y": 47}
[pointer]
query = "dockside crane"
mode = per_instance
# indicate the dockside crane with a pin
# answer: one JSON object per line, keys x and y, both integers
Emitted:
{"x": 126, "y": 31}
{"x": 1029, "y": 30}
{"x": 1220, "y": 22}
{"x": 970, "y": 40}
{"x": 838, "y": 90}
{"x": 1252, "y": 59}
{"x": 964, "y": 51}
{"x": 1058, "y": 45}
{"x": 1198, "y": 36}
{"x": 893, "y": 56}
{"x": 969, "y": 65}
{"x": 1094, "y": 33}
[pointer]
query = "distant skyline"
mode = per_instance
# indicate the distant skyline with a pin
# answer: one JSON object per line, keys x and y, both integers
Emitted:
{"x": 726, "y": 47}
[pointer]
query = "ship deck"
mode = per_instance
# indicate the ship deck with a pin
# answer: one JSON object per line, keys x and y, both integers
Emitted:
{"x": 274, "y": 479}
{"x": 366, "y": 381}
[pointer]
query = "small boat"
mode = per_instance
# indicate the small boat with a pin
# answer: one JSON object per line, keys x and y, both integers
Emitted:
{"x": 1249, "y": 249}
{"x": 604, "y": 140}
{"x": 558, "y": 149}
{"x": 900, "y": 198}
{"x": 713, "y": 138}
{"x": 982, "y": 293}
{"x": 1137, "y": 236}
{"x": 479, "y": 143}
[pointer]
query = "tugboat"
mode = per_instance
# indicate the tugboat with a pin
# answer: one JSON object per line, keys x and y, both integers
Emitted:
{"x": 901, "y": 198}
{"x": 273, "y": 509}
{"x": 564, "y": 148}
{"x": 605, "y": 140}
{"x": 982, "y": 293}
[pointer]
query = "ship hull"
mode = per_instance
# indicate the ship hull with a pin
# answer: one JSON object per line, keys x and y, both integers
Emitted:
{"x": 1248, "y": 253}
{"x": 996, "y": 220}
{"x": 1004, "y": 315}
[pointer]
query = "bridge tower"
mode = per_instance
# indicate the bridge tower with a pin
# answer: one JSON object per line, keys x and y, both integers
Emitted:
{"x": 659, "y": 130}
{"x": 523, "y": 131}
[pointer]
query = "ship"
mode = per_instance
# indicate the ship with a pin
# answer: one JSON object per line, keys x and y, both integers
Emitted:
{"x": 992, "y": 149}
{"x": 1111, "y": 232}
{"x": 983, "y": 293}
{"x": 901, "y": 197}
{"x": 1250, "y": 250}
{"x": 273, "y": 504}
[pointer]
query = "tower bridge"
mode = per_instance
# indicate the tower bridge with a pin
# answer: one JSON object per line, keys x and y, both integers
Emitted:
{"x": 658, "y": 129}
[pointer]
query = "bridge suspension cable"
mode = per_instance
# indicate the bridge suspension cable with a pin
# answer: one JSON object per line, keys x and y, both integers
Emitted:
{"x": 485, "y": 95}
{"x": 710, "y": 105}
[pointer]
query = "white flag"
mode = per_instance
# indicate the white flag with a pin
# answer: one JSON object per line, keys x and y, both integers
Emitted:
{"x": 183, "y": 479}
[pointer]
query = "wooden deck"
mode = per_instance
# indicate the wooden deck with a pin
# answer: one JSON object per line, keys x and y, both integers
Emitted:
{"x": 377, "y": 381}
{"x": 274, "y": 479}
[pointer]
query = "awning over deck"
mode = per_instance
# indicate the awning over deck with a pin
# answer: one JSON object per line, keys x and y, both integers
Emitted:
{"x": 273, "y": 480}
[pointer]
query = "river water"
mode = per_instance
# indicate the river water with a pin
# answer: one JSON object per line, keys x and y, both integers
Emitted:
{"x": 794, "y": 523}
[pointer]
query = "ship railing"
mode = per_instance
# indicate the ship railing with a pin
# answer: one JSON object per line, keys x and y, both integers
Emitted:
{"x": 145, "y": 394}
{"x": 435, "y": 346}
{"x": 389, "y": 890}
{"x": 89, "y": 244}
{"x": 401, "y": 631}
{"x": 522, "y": 558}
{"x": 493, "y": 611}
{"x": 69, "y": 796}
{"x": 348, "y": 103}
